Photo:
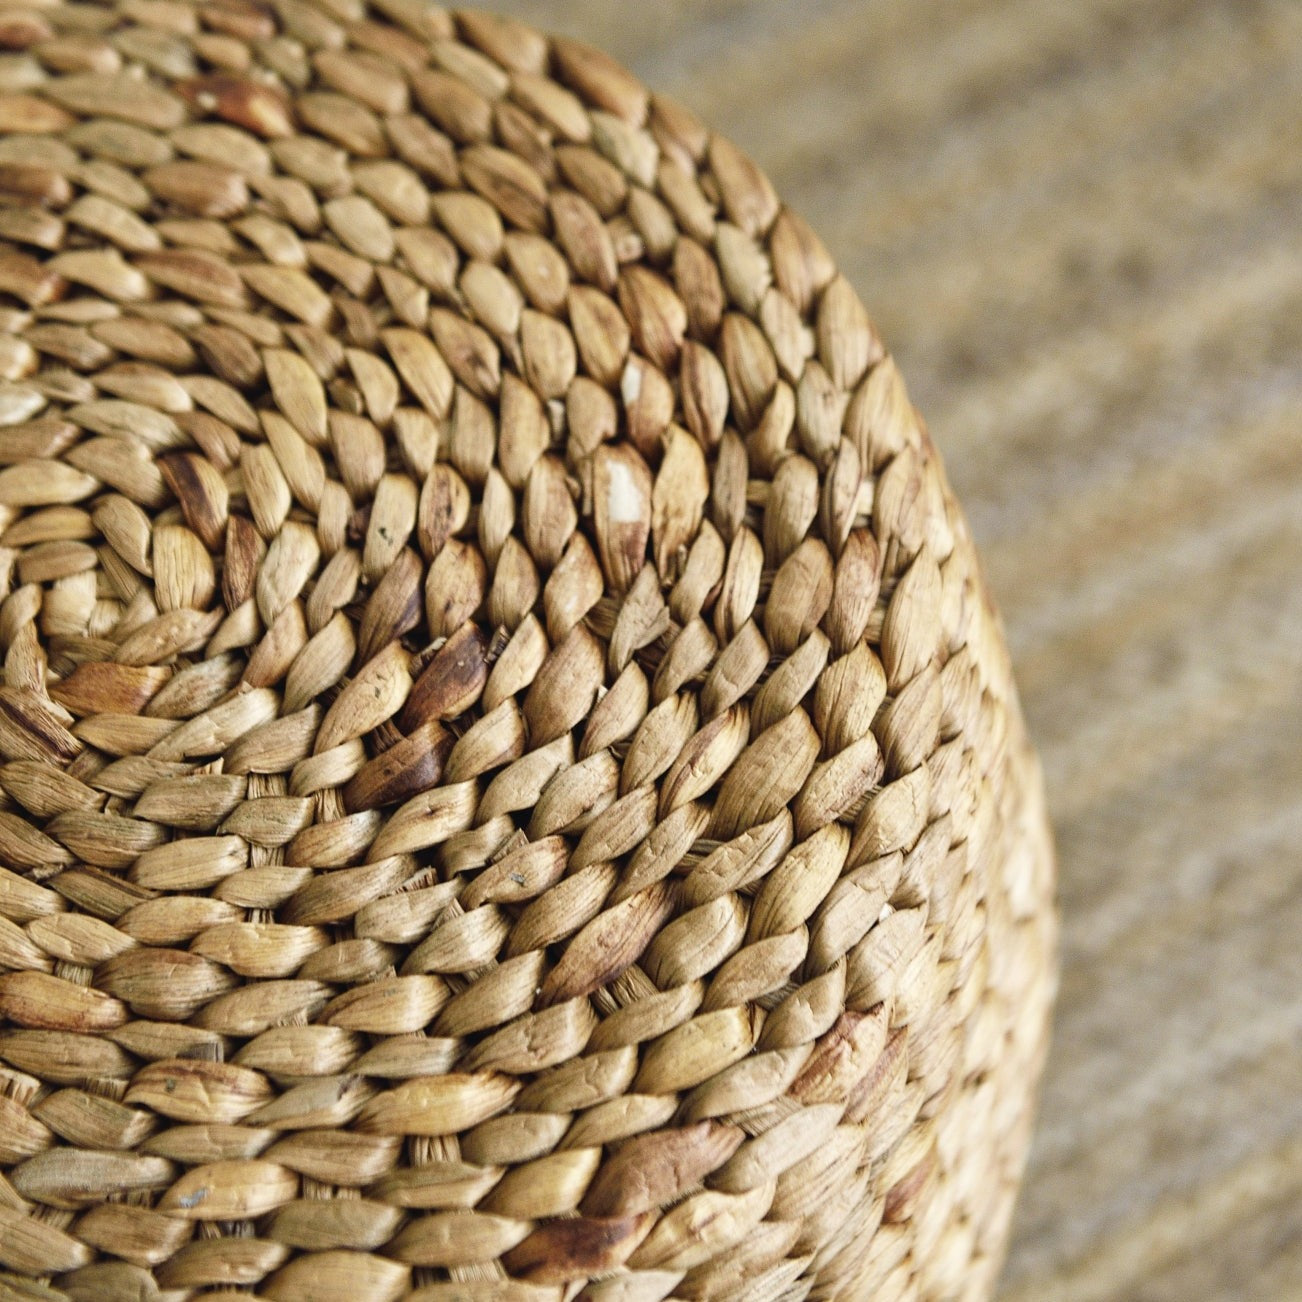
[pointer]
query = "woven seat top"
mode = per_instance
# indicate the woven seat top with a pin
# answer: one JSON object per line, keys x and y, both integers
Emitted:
{"x": 511, "y": 784}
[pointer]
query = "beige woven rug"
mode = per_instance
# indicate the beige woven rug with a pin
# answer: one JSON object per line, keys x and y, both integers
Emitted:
{"x": 1078, "y": 225}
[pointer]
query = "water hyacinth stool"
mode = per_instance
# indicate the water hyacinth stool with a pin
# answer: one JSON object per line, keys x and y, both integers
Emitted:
{"x": 512, "y": 789}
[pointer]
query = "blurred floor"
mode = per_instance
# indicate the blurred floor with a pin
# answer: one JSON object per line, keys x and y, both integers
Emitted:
{"x": 1080, "y": 228}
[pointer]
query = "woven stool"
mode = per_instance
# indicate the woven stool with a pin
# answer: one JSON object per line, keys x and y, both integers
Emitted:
{"x": 512, "y": 788}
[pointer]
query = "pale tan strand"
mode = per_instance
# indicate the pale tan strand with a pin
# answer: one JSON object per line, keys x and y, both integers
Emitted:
{"x": 512, "y": 786}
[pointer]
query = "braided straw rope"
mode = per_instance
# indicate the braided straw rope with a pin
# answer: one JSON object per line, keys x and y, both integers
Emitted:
{"x": 512, "y": 786}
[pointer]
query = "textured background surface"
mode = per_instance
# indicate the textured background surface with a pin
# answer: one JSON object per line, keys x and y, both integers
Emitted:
{"x": 1080, "y": 228}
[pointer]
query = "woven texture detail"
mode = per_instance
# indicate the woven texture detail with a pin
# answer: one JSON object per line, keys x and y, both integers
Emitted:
{"x": 512, "y": 787}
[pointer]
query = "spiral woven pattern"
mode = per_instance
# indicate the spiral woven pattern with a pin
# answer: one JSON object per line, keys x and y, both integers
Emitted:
{"x": 512, "y": 788}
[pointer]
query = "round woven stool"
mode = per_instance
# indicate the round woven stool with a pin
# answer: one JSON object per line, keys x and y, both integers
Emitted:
{"x": 512, "y": 789}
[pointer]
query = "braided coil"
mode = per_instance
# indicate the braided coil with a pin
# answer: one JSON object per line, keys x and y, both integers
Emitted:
{"x": 512, "y": 787}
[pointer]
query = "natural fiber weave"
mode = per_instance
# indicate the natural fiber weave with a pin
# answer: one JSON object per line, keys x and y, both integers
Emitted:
{"x": 512, "y": 785}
